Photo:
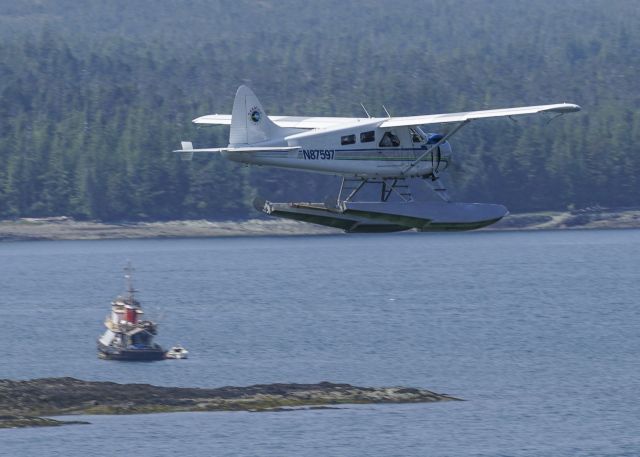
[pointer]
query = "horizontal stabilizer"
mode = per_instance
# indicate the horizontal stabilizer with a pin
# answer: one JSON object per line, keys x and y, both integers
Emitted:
{"x": 201, "y": 150}
{"x": 188, "y": 149}
{"x": 263, "y": 149}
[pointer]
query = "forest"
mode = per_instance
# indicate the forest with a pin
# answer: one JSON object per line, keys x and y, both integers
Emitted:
{"x": 95, "y": 95}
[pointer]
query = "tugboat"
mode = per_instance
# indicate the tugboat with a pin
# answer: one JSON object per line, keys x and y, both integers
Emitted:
{"x": 128, "y": 336}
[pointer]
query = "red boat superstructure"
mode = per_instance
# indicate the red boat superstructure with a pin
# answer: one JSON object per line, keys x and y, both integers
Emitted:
{"x": 128, "y": 335}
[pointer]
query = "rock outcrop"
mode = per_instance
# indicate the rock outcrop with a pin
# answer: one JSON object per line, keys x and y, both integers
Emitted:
{"x": 61, "y": 396}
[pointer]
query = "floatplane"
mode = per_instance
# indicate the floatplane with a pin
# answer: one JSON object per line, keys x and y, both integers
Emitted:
{"x": 385, "y": 152}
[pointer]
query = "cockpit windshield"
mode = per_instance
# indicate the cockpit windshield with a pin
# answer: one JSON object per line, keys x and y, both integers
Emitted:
{"x": 417, "y": 135}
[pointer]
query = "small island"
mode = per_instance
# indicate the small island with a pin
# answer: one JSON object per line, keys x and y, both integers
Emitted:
{"x": 22, "y": 402}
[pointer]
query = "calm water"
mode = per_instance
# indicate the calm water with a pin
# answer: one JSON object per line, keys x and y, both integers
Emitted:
{"x": 540, "y": 332}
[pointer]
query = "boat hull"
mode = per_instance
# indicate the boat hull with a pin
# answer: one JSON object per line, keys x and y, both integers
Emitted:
{"x": 130, "y": 354}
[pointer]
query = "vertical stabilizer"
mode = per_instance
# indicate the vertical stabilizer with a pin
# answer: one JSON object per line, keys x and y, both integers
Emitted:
{"x": 249, "y": 123}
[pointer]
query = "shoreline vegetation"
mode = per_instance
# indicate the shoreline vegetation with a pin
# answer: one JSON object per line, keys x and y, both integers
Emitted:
{"x": 65, "y": 228}
{"x": 23, "y": 402}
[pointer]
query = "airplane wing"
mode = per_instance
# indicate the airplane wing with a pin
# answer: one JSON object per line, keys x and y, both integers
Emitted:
{"x": 213, "y": 119}
{"x": 187, "y": 147}
{"x": 303, "y": 122}
{"x": 560, "y": 108}
{"x": 296, "y": 122}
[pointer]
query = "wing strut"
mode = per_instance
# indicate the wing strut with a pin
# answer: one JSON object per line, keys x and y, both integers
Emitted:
{"x": 433, "y": 146}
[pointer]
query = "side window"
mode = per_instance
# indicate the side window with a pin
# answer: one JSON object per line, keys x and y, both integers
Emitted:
{"x": 368, "y": 137}
{"x": 389, "y": 140}
{"x": 348, "y": 139}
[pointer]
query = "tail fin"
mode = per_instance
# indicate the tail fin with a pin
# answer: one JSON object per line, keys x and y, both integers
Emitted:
{"x": 249, "y": 123}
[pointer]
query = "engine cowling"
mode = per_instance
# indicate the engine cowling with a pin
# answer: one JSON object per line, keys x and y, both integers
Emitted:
{"x": 440, "y": 156}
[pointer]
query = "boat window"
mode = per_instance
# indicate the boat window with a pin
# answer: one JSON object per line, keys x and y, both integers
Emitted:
{"x": 389, "y": 140}
{"x": 348, "y": 139}
{"x": 368, "y": 137}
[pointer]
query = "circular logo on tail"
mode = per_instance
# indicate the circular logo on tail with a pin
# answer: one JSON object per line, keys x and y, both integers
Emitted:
{"x": 255, "y": 115}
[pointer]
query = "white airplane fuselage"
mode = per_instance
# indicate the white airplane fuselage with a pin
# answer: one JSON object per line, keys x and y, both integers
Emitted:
{"x": 353, "y": 152}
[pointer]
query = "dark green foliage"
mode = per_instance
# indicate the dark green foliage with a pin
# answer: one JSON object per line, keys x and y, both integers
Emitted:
{"x": 95, "y": 95}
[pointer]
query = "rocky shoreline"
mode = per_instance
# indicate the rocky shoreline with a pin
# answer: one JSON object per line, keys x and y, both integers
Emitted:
{"x": 65, "y": 228}
{"x": 17, "y": 421}
{"x": 588, "y": 218}
{"x": 22, "y": 402}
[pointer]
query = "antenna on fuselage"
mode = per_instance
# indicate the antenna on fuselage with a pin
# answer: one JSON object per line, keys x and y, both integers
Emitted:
{"x": 365, "y": 110}
{"x": 385, "y": 110}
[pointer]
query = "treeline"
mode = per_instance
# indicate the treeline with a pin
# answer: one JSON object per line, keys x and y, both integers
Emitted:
{"x": 93, "y": 97}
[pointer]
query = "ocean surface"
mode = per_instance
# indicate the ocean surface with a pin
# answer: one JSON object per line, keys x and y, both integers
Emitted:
{"x": 538, "y": 331}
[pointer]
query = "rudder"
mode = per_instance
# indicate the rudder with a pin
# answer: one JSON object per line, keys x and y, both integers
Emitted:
{"x": 249, "y": 122}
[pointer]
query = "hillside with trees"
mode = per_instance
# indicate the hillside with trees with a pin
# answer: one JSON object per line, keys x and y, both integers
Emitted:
{"x": 95, "y": 95}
